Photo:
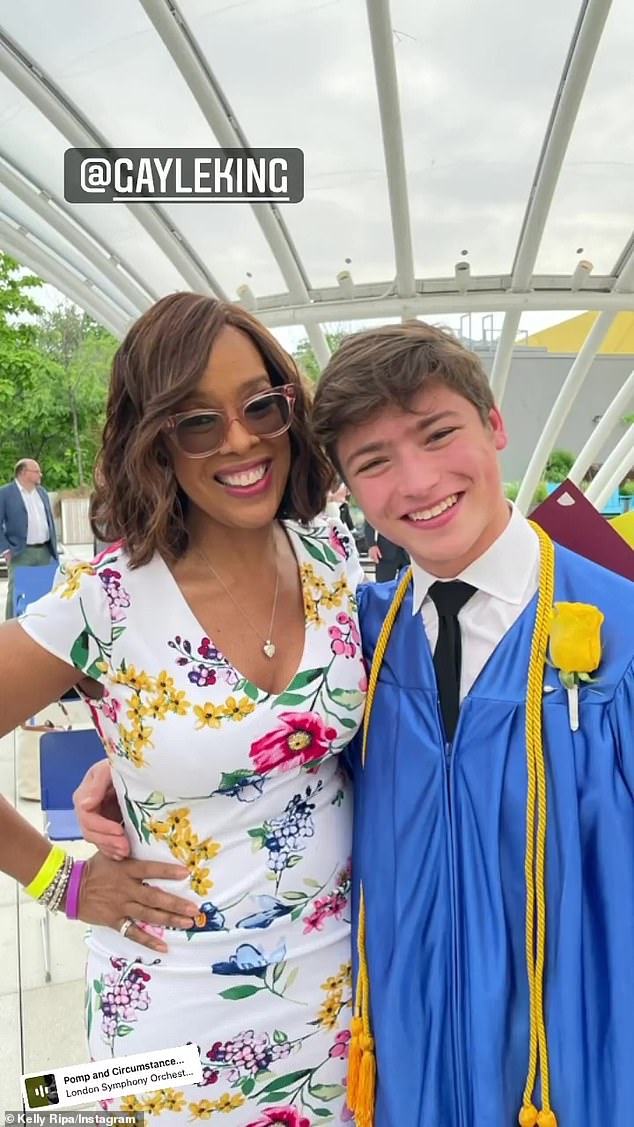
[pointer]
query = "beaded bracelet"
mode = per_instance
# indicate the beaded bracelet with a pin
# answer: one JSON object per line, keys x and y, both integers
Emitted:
{"x": 47, "y": 873}
{"x": 54, "y": 894}
{"x": 74, "y": 885}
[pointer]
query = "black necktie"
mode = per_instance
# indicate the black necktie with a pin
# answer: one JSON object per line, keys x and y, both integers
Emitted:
{"x": 449, "y": 598}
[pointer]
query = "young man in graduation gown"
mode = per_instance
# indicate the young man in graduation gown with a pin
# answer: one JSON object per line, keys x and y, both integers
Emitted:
{"x": 494, "y": 802}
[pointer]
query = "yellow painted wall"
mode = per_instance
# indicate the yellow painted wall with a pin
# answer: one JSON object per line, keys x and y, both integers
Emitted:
{"x": 570, "y": 335}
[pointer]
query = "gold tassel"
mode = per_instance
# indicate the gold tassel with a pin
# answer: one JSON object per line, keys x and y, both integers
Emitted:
{"x": 364, "y": 1103}
{"x": 528, "y": 1116}
{"x": 546, "y": 1119}
{"x": 354, "y": 1061}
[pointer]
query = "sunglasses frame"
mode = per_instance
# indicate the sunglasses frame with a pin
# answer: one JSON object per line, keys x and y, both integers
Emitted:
{"x": 289, "y": 391}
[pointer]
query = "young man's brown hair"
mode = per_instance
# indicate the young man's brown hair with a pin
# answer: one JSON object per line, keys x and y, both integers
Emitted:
{"x": 386, "y": 367}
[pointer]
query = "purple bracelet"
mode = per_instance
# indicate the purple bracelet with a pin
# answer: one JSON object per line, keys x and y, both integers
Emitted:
{"x": 72, "y": 896}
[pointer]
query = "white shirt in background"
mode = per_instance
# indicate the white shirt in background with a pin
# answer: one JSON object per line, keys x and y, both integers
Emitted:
{"x": 37, "y": 528}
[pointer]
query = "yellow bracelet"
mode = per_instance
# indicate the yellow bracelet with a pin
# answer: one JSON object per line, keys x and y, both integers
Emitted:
{"x": 46, "y": 875}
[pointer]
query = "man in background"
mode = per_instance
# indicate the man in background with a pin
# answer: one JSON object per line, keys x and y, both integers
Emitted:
{"x": 27, "y": 528}
{"x": 387, "y": 557}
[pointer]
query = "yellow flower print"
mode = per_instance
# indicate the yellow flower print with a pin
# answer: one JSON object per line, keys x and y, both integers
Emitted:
{"x": 227, "y": 1102}
{"x": 158, "y": 829}
{"x": 208, "y": 715}
{"x": 137, "y": 680}
{"x": 311, "y": 609}
{"x": 164, "y": 683}
{"x": 70, "y": 585}
{"x": 154, "y": 1103}
{"x": 137, "y": 710}
{"x": 202, "y": 1110}
{"x": 172, "y": 1101}
{"x": 177, "y": 703}
{"x": 186, "y": 841}
{"x": 208, "y": 849}
{"x": 344, "y": 978}
{"x": 130, "y": 1104}
{"x": 156, "y": 709}
{"x": 328, "y": 1015}
{"x": 200, "y": 881}
{"x": 238, "y": 709}
{"x": 179, "y": 819}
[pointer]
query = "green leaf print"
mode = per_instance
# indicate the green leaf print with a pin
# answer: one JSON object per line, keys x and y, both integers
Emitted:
{"x": 290, "y": 698}
{"x": 347, "y": 722}
{"x": 327, "y": 1092}
{"x": 323, "y": 554}
{"x": 347, "y": 698}
{"x": 251, "y": 691}
{"x": 278, "y": 971}
{"x": 305, "y": 678}
{"x": 286, "y": 1081}
{"x": 280, "y": 1037}
{"x": 297, "y": 895}
{"x": 79, "y": 652}
{"x": 247, "y": 1086}
{"x": 97, "y": 986}
{"x": 290, "y": 980}
{"x": 132, "y": 816}
{"x": 237, "y": 993}
{"x": 123, "y": 1030}
{"x": 323, "y": 1112}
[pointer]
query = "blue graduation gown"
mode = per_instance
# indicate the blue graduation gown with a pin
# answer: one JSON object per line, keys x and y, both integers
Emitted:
{"x": 439, "y": 845}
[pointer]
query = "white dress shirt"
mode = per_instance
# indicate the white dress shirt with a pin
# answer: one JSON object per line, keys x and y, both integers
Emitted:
{"x": 37, "y": 529}
{"x": 506, "y": 577}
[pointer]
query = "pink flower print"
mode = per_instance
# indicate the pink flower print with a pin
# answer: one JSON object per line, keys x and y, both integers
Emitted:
{"x": 333, "y": 905}
{"x": 151, "y": 929}
{"x": 338, "y": 544}
{"x": 302, "y": 739}
{"x": 345, "y": 636}
{"x": 109, "y": 551}
{"x": 118, "y": 598}
{"x": 341, "y": 1045}
{"x": 286, "y": 1116}
{"x": 110, "y": 706}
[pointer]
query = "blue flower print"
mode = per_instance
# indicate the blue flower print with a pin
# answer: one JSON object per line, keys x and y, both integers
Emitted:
{"x": 249, "y": 960}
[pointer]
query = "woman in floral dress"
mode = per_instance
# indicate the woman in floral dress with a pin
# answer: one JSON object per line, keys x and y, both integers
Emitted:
{"x": 218, "y": 645}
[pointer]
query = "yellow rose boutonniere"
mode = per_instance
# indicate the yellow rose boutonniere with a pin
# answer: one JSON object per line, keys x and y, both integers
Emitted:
{"x": 575, "y": 648}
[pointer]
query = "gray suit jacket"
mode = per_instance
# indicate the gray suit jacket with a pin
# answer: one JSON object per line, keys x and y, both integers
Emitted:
{"x": 14, "y": 520}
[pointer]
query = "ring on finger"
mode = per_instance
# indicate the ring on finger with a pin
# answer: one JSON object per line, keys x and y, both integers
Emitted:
{"x": 125, "y": 926}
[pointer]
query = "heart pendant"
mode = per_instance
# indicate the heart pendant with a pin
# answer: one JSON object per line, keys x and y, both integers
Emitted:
{"x": 269, "y": 649}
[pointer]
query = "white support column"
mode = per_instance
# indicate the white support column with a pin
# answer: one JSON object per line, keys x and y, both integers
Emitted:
{"x": 571, "y": 387}
{"x": 617, "y": 409}
{"x": 613, "y": 470}
{"x": 504, "y": 354}
{"x": 583, "y": 48}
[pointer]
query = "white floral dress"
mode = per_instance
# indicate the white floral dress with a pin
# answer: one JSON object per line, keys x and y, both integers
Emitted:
{"x": 247, "y": 790}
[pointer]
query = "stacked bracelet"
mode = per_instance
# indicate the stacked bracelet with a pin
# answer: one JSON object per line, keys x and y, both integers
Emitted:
{"x": 47, "y": 873}
{"x": 50, "y": 883}
{"x": 74, "y": 885}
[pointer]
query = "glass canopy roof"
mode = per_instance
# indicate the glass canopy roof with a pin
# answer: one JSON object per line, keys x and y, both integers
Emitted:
{"x": 459, "y": 157}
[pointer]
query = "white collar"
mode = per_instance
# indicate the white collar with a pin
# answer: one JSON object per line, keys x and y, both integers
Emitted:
{"x": 23, "y": 491}
{"x": 503, "y": 571}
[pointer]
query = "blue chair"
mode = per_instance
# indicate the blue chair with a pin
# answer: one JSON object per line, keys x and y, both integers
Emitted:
{"x": 30, "y": 584}
{"x": 64, "y": 759}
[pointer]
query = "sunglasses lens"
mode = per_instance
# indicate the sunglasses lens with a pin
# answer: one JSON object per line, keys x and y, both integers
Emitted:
{"x": 201, "y": 434}
{"x": 268, "y": 414}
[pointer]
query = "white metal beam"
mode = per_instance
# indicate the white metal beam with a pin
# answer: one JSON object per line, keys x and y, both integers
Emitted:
{"x": 613, "y": 470}
{"x": 81, "y": 133}
{"x": 45, "y": 205}
{"x": 185, "y": 51}
{"x": 50, "y": 269}
{"x": 612, "y": 416}
{"x": 380, "y": 308}
{"x": 583, "y": 48}
{"x": 571, "y": 387}
{"x": 382, "y": 39}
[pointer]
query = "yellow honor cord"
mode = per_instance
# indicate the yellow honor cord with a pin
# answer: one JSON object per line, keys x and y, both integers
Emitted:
{"x": 362, "y": 1064}
{"x": 47, "y": 873}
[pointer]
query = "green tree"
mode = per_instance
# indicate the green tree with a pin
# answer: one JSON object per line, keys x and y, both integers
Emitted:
{"x": 305, "y": 357}
{"x": 559, "y": 465}
{"x": 23, "y": 369}
{"x": 82, "y": 351}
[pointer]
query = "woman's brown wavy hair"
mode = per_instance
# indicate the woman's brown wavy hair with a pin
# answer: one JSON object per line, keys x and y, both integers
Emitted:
{"x": 137, "y": 497}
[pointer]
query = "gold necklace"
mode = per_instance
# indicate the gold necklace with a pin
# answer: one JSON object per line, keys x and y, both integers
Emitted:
{"x": 268, "y": 646}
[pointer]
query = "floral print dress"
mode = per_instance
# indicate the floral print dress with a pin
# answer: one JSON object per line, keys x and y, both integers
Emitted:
{"x": 246, "y": 789}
